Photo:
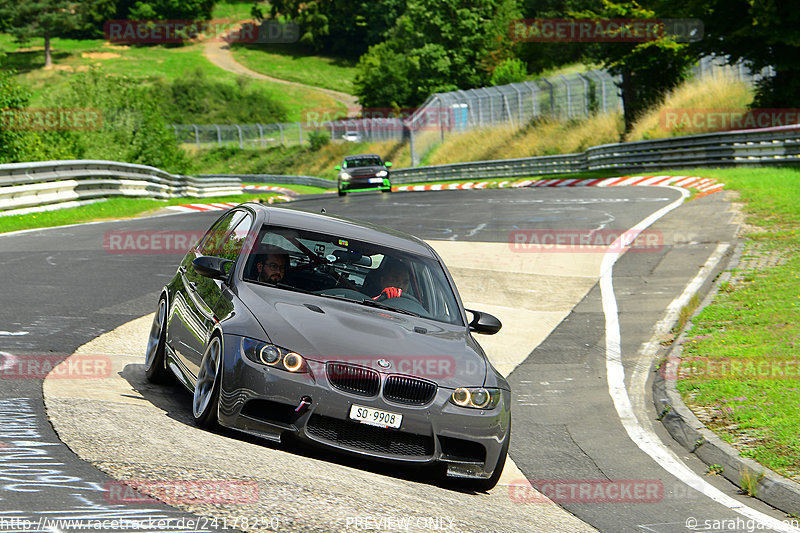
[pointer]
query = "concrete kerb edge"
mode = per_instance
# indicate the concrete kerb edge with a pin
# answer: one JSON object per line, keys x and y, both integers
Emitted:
{"x": 682, "y": 424}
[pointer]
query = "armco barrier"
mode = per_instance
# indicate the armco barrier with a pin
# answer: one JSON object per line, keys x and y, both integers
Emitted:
{"x": 771, "y": 146}
{"x": 276, "y": 178}
{"x": 28, "y": 186}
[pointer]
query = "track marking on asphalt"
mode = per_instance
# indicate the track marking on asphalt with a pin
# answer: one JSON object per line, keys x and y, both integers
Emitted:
{"x": 647, "y": 441}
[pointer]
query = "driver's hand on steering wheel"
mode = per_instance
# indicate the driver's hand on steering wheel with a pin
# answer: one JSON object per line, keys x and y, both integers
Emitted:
{"x": 390, "y": 292}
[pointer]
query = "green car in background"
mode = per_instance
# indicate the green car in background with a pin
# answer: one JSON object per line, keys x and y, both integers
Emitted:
{"x": 365, "y": 172}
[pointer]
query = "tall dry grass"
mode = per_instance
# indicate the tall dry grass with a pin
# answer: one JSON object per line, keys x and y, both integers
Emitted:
{"x": 541, "y": 137}
{"x": 694, "y": 96}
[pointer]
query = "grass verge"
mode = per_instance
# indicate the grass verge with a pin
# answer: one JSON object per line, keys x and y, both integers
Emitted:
{"x": 741, "y": 360}
{"x": 292, "y": 62}
{"x": 166, "y": 62}
{"x": 113, "y": 208}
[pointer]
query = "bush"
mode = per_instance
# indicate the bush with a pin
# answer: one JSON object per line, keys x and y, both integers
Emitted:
{"x": 195, "y": 99}
{"x": 133, "y": 128}
{"x": 317, "y": 140}
{"x": 511, "y": 70}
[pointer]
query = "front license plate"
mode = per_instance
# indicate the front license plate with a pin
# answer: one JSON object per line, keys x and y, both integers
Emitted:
{"x": 375, "y": 417}
{"x": 376, "y": 180}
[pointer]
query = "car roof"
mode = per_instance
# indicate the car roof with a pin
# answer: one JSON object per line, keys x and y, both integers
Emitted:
{"x": 360, "y": 156}
{"x": 352, "y": 229}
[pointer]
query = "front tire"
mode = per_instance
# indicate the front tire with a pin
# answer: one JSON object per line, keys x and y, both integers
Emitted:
{"x": 205, "y": 401}
{"x": 155, "y": 365}
{"x": 342, "y": 193}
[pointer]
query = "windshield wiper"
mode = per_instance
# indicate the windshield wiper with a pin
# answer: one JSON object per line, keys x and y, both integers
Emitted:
{"x": 372, "y": 303}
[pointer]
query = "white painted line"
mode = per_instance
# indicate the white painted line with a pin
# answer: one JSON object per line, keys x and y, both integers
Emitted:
{"x": 13, "y": 333}
{"x": 6, "y": 361}
{"x": 648, "y": 442}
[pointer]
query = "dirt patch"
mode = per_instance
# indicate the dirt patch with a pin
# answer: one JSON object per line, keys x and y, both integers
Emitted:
{"x": 107, "y": 44}
{"x": 100, "y": 55}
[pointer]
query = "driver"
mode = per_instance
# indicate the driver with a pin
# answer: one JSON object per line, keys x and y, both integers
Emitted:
{"x": 272, "y": 268}
{"x": 394, "y": 279}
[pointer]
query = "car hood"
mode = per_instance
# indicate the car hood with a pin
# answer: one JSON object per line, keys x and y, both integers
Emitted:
{"x": 325, "y": 329}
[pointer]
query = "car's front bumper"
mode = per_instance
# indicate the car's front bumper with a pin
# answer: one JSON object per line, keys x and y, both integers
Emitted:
{"x": 262, "y": 401}
{"x": 369, "y": 183}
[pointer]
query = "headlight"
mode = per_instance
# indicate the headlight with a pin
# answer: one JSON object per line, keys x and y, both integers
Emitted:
{"x": 345, "y": 176}
{"x": 476, "y": 397}
{"x": 382, "y": 174}
{"x": 271, "y": 355}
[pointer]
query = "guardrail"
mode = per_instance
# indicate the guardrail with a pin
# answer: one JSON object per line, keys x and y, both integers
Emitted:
{"x": 281, "y": 179}
{"x": 770, "y": 146}
{"x": 27, "y": 187}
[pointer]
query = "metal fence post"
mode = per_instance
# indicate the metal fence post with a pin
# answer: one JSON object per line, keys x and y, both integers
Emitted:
{"x": 552, "y": 97}
{"x": 196, "y": 135}
{"x": 569, "y": 95}
{"x": 586, "y": 104}
{"x": 260, "y": 135}
{"x": 280, "y": 127}
{"x": 219, "y": 135}
{"x": 239, "y": 129}
{"x": 300, "y": 129}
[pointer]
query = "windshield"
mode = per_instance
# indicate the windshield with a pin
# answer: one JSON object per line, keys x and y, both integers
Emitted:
{"x": 339, "y": 267}
{"x": 363, "y": 162}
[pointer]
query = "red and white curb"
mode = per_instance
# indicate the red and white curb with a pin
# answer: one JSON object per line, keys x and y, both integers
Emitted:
{"x": 268, "y": 188}
{"x": 704, "y": 185}
{"x": 194, "y": 208}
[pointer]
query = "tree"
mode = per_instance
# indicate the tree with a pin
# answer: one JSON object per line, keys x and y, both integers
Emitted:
{"x": 340, "y": 27}
{"x": 435, "y": 46}
{"x": 40, "y": 18}
{"x": 165, "y": 9}
{"x": 12, "y": 98}
{"x": 648, "y": 69}
{"x": 761, "y": 33}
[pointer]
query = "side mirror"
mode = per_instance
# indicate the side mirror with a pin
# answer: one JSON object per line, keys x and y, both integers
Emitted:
{"x": 388, "y": 164}
{"x": 338, "y": 167}
{"x": 484, "y": 323}
{"x": 211, "y": 267}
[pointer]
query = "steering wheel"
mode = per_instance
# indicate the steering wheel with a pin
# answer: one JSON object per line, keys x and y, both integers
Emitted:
{"x": 382, "y": 296}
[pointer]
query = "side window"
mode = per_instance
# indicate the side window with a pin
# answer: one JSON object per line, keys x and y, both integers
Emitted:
{"x": 228, "y": 236}
{"x": 232, "y": 247}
